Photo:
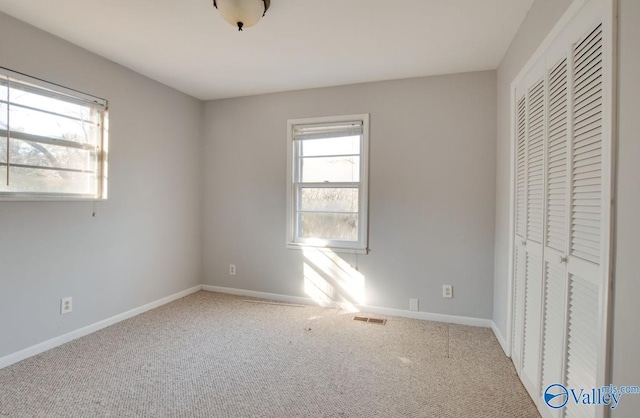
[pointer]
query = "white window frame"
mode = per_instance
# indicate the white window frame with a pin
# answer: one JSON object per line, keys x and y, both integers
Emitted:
{"x": 293, "y": 241}
{"x": 101, "y": 149}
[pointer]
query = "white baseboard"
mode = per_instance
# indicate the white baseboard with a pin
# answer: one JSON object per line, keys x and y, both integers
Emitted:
{"x": 426, "y": 316}
{"x": 501, "y": 339}
{"x": 261, "y": 295}
{"x": 57, "y": 341}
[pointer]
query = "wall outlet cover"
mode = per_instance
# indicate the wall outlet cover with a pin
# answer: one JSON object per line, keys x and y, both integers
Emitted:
{"x": 66, "y": 305}
{"x": 413, "y": 305}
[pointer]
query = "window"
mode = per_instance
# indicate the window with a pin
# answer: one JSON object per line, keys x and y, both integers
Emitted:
{"x": 327, "y": 172}
{"x": 52, "y": 140}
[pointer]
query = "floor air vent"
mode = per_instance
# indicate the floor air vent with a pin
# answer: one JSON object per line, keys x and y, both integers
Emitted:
{"x": 372, "y": 320}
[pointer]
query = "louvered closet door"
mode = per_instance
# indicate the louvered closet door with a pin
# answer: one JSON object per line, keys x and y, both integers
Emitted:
{"x": 521, "y": 232}
{"x": 536, "y": 117}
{"x": 556, "y": 225}
{"x": 587, "y": 197}
{"x": 562, "y": 165}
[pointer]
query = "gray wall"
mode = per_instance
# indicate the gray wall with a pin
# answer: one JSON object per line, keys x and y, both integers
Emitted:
{"x": 626, "y": 340}
{"x": 432, "y": 177}
{"x": 144, "y": 245}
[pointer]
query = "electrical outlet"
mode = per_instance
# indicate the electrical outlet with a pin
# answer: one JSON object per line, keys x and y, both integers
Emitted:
{"x": 232, "y": 269}
{"x": 413, "y": 305}
{"x": 66, "y": 305}
{"x": 447, "y": 291}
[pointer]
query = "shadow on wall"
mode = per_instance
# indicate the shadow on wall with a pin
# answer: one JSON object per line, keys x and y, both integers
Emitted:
{"x": 331, "y": 281}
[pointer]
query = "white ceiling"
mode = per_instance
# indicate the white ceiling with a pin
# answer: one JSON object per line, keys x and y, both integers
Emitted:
{"x": 299, "y": 44}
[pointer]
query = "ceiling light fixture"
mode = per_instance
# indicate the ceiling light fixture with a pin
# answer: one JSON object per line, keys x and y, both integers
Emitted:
{"x": 242, "y": 13}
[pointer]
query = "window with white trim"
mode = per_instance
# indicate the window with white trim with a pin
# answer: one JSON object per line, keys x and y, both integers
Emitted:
{"x": 328, "y": 190}
{"x": 52, "y": 140}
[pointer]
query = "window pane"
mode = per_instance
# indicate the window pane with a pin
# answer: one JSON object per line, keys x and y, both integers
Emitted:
{"x": 3, "y": 150}
{"x": 3, "y": 107}
{"x": 330, "y": 169}
{"x": 52, "y": 126}
{"x": 330, "y": 146}
{"x": 29, "y": 180}
{"x": 41, "y": 101}
{"x": 329, "y": 199}
{"x": 54, "y": 142}
{"x": 46, "y": 155}
{"x": 329, "y": 226}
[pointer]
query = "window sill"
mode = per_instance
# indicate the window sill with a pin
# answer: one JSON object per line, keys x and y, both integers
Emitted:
{"x": 348, "y": 250}
{"x": 45, "y": 198}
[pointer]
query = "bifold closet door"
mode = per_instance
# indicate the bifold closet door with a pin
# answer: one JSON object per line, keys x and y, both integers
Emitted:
{"x": 536, "y": 117}
{"x": 573, "y": 274}
{"x": 557, "y": 224}
{"x": 584, "y": 330}
{"x": 520, "y": 258}
{"x": 562, "y": 164}
{"x": 529, "y": 221}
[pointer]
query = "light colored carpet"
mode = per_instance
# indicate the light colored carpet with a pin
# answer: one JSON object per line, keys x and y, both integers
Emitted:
{"x": 215, "y": 355}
